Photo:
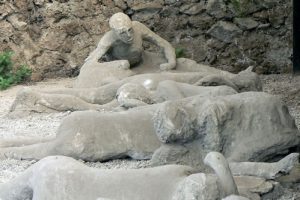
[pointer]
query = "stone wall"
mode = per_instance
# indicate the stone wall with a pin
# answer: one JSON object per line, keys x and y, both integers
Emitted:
{"x": 54, "y": 36}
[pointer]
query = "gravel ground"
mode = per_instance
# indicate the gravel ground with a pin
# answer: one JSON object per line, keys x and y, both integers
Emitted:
{"x": 288, "y": 88}
{"x": 39, "y": 125}
{"x": 35, "y": 125}
{"x": 45, "y": 125}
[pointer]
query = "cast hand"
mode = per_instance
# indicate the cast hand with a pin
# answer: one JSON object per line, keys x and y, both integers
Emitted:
{"x": 123, "y": 64}
{"x": 167, "y": 66}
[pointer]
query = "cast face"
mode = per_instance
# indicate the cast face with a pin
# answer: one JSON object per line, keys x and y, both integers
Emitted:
{"x": 125, "y": 34}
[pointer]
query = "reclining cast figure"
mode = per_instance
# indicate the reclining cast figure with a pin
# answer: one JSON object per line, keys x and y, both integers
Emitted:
{"x": 228, "y": 124}
{"x": 60, "y": 178}
{"x": 153, "y": 86}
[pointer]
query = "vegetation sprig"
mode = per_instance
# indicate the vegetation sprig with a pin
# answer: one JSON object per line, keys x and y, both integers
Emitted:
{"x": 10, "y": 76}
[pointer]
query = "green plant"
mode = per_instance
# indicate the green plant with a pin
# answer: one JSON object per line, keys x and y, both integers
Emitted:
{"x": 9, "y": 76}
{"x": 180, "y": 52}
{"x": 22, "y": 73}
{"x": 5, "y": 63}
{"x": 236, "y": 4}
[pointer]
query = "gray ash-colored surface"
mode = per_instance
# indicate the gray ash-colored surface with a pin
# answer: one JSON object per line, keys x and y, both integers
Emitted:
{"x": 46, "y": 124}
{"x": 285, "y": 86}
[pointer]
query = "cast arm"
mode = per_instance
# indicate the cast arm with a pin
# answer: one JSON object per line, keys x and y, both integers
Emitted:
{"x": 103, "y": 46}
{"x": 169, "y": 51}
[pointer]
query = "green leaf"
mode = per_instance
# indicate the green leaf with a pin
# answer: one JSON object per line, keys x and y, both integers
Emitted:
{"x": 7, "y": 76}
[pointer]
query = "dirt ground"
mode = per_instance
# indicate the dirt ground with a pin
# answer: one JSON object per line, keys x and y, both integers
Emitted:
{"x": 44, "y": 125}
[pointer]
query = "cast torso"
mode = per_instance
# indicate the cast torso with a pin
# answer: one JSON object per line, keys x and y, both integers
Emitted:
{"x": 131, "y": 52}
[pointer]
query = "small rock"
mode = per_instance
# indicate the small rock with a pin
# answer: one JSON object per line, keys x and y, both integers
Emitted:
{"x": 224, "y": 31}
{"x": 143, "y": 16}
{"x": 170, "y": 1}
{"x": 36, "y": 76}
{"x": 147, "y": 6}
{"x": 145, "y": 11}
{"x": 216, "y": 8}
{"x": 121, "y": 4}
{"x": 193, "y": 8}
{"x": 263, "y": 188}
{"x": 253, "y": 184}
{"x": 108, "y": 3}
{"x": 5, "y": 10}
{"x": 263, "y": 26}
{"x": 263, "y": 15}
{"x": 293, "y": 176}
{"x": 215, "y": 44}
{"x": 19, "y": 25}
{"x": 276, "y": 20}
{"x": 168, "y": 11}
{"x": 268, "y": 4}
{"x": 245, "y": 7}
{"x": 201, "y": 21}
{"x": 189, "y": 188}
{"x": 7, "y": 30}
{"x": 277, "y": 192}
{"x": 246, "y": 23}
{"x": 211, "y": 56}
{"x": 39, "y": 2}
{"x": 53, "y": 39}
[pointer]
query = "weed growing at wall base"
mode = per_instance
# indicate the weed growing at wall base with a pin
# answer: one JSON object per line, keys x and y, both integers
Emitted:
{"x": 180, "y": 52}
{"x": 9, "y": 76}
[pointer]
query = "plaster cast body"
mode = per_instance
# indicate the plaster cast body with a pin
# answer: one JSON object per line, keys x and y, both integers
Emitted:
{"x": 132, "y": 94}
{"x": 98, "y": 82}
{"x": 180, "y": 131}
{"x": 73, "y": 99}
{"x": 62, "y": 178}
{"x": 249, "y": 126}
{"x": 124, "y": 42}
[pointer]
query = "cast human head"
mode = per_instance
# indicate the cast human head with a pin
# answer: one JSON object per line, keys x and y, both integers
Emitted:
{"x": 122, "y": 26}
